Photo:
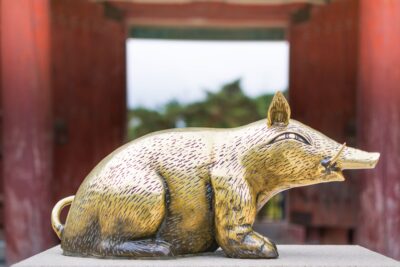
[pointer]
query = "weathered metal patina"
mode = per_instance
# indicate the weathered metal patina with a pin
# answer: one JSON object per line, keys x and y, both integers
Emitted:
{"x": 186, "y": 191}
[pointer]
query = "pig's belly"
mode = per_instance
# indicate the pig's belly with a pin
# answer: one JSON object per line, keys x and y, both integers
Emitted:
{"x": 189, "y": 221}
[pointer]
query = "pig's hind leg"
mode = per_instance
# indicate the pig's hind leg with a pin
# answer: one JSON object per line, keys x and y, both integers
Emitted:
{"x": 131, "y": 215}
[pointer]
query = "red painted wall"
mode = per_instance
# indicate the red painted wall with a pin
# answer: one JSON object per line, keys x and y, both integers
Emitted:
{"x": 27, "y": 126}
{"x": 63, "y": 100}
{"x": 379, "y": 124}
{"x": 63, "y": 96}
{"x": 88, "y": 71}
{"x": 322, "y": 92}
{"x": 1, "y": 145}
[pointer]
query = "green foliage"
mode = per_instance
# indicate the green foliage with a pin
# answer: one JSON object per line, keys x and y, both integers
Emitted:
{"x": 143, "y": 121}
{"x": 229, "y": 107}
{"x": 226, "y": 108}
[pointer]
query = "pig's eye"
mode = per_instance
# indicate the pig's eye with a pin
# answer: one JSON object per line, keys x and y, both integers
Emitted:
{"x": 293, "y": 136}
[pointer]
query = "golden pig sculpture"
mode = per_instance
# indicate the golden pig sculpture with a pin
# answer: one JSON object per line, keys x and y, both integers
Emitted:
{"x": 192, "y": 190}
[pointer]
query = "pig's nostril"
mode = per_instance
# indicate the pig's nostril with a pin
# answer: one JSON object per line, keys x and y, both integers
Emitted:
{"x": 329, "y": 165}
{"x": 326, "y": 162}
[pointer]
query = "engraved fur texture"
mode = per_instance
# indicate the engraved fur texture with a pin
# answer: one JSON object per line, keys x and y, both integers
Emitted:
{"x": 185, "y": 191}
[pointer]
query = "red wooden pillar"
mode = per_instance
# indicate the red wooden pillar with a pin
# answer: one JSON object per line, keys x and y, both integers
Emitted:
{"x": 322, "y": 92}
{"x": 27, "y": 144}
{"x": 379, "y": 124}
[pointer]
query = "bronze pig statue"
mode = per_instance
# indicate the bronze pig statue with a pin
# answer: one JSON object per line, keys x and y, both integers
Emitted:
{"x": 186, "y": 191}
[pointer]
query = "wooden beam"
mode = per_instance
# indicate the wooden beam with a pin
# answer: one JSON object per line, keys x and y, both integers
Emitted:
{"x": 242, "y": 2}
{"x": 208, "y": 14}
{"x": 271, "y": 34}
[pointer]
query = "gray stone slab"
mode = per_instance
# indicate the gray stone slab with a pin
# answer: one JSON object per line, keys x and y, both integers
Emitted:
{"x": 290, "y": 255}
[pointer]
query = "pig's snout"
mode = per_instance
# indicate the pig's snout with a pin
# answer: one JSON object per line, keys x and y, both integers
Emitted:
{"x": 357, "y": 159}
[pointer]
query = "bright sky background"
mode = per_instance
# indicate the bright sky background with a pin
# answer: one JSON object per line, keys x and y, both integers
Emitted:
{"x": 163, "y": 70}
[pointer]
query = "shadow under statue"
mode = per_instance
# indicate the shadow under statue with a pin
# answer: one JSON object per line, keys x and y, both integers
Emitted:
{"x": 192, "y": 190}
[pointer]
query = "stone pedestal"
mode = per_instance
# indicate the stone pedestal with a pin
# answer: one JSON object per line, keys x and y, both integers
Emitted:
{"x": 290, "y": 255}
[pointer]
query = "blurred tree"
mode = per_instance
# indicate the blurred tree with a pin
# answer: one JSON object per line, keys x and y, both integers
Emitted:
{"x": 226, "y": 108}
{"x": 143, "y": 121}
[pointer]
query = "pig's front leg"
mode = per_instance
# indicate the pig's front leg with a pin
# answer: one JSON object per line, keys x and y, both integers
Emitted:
{"x": 235, "y": 211}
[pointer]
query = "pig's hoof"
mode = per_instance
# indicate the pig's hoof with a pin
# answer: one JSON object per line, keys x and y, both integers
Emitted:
{"x": 269, "y": 251}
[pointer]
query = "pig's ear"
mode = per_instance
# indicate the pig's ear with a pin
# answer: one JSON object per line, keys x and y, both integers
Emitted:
{"x": 279, "y": 111}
